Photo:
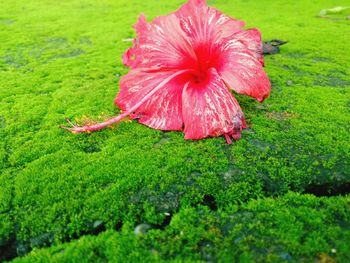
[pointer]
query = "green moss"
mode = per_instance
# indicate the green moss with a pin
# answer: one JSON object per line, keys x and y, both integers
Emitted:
{"x": 292, "y": 228}
{"x": 64, "y": 60}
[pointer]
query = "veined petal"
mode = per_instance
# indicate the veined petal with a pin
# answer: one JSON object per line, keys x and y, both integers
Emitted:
{"x": 209, "y": 109}
{"x": 203, "y": 23}
{"x": 251, "y": 39}
{"x": 243, "y": 73}
{"x": 206, "y": 30}
{"x": 160, "y": 44}
{"x": 163, "y": 109}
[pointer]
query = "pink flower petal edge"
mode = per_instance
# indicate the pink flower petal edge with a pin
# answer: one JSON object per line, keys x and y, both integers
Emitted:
{"x": 183, "y": 66}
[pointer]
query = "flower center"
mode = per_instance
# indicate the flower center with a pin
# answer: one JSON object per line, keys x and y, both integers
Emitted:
{"x": 206, "y": 57}
{"x": 200, "y": 71}
{"x": 199, "y": 76}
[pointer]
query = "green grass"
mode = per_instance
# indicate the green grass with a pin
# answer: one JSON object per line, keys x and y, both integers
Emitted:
{"x": 67, "y": 197}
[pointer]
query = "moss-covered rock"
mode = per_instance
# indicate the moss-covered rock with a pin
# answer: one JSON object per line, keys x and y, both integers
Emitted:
{"x": 80, "y": 197}
{"x": 295, "y": 228}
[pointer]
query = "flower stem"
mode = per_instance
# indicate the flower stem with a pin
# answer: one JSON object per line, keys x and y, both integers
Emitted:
{"x": 99, "y": 126}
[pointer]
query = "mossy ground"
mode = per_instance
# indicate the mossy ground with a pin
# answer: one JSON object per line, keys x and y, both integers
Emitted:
{"x": 74, "y": 198}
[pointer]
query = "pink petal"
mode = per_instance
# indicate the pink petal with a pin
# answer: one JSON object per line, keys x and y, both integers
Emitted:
{"x": 203, "y": 23}
{"x": 251, "y": 39}
{"x": 163, "y": 109}
{"x": 160, "y": 44}
{"x": 209, "y": 109}
{"x": 243, "y": 73}
{"x": 218, "y": 42}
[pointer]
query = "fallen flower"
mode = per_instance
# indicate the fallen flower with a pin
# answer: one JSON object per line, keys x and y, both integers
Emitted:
{"x": 183, "y": 66}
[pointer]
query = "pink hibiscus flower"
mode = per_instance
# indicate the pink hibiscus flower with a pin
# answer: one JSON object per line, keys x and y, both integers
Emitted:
{"x": 183, "y": 66}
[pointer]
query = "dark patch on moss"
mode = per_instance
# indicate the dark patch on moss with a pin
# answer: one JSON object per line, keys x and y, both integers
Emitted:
{"x": 6, "y": 157}
{"x": 118, "y": 226}
{"x": 273, "y": 186}
{"x": 332, "y": 81}
{"x": 207, "y": 249}
{"x": 209, "y": 201}
{"x": 261, "y": 145}
{"x": 43, "y": 240}
{"x": 143, "y": 228}
{"x": 92, "y": 149}
{"x": 166, "y": 221}
{"x": 322, "y": 59}
{"x": 248, "y": 131}
{"x": 86, "y": 41}
{"x": 88, "y": 144}
{"x": 13, "y": 247}
{"x": 98, "y": 227}
{"x": 165, "y": 201}
{"x": 59, "y": 40}
{"x": 163, "y": 140}
{"x": 294, "y": 55}
{"x": 328, "y": 189}
{"x": 71, "y": 54}
{"x": 285, "y": 256}
{"x": 2, "y": 122}
{"x": 296, "y": 70}
{"x": 8, "y": 249}
{"x": 192, "y": 178}
{"x": 7, "y": 21}
{"x": 280, "y": 116}
{"x": 14, "y": 61}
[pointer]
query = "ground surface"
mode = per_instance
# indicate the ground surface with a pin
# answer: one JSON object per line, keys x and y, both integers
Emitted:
{"x": 133, "y": 193}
